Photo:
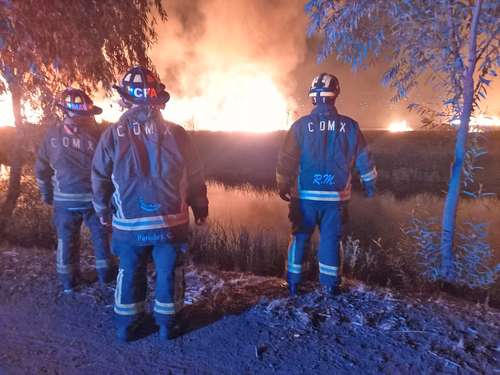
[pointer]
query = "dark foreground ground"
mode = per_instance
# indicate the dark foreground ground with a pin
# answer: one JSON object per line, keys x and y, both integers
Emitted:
{"x": 239, "y": 324}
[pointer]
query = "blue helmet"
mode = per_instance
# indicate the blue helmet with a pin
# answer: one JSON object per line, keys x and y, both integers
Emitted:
{"x": 141, "y": 86}
{"x": 78, "y": 102}
{"x": 324, "y": 88}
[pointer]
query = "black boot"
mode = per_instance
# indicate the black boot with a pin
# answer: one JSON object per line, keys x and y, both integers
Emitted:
{"x": 126, "y": 332}
{"x": 332, "y": 290}
{"x": 166, "y": 330}
{"x": 106, "y": 276}
{"x": 70, "y": 282}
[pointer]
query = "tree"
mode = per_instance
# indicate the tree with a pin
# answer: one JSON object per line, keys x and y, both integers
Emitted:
{"x": 453, "y": 44}
{"x": 46, "y": 45}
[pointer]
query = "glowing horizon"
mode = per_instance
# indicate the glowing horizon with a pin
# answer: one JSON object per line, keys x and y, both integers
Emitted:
{"x": 399, "y": 126}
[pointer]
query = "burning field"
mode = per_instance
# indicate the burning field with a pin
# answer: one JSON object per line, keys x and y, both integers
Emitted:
{"x": 238, "y": 75}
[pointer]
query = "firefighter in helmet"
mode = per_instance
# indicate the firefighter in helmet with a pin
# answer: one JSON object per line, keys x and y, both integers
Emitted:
{"x": 314, "y": 175}
{"x": 145, "y": 175}
{"x": 62, "y": 171}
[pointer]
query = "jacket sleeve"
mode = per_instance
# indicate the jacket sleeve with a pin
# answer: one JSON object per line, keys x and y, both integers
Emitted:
{"x": 197, "y": 189}
{"x": 102, "y": 169}
{"x": 44, "y": 171}
{"x": 364, "y": 162}
{"x": 288, "y": 161}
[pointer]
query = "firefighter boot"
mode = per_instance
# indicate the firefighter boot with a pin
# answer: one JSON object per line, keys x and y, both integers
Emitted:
{"x": 166, "y": 329}
{"x": 333, "y": 290}
{"x": 70, "y": 282}
{"x": 127, "y": 332}
{"x": 106, "y": 276}
{"x": 68, "y": 285}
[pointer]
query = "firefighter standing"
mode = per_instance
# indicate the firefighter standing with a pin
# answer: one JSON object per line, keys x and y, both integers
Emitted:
{"x": 62, "y": 170}
{"x": 145, "y": 175}
{"x": 314, "y": 174}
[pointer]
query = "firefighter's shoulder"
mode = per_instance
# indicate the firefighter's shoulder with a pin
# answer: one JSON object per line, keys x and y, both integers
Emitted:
{"x": 301, "y": 121}
{"x": 348, "y": 122}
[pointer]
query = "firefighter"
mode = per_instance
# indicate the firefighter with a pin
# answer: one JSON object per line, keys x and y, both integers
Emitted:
{"x": 314, "y": 175}
{"x": 145, "y": 175}
{"x": 62, "y": 171}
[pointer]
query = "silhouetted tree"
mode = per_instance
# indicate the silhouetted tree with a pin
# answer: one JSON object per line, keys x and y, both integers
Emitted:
{"x": 46, "y": 45}
{"x": 452, "y": 43}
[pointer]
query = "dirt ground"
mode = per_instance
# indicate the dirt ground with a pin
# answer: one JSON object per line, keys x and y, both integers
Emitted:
{"x": 238, "y": 324}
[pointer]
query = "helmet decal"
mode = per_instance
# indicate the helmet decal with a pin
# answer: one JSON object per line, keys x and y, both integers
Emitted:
{"x": 324, "y": 85}
{"x": 141, "y": 86}
{"x": 78, "y": 102}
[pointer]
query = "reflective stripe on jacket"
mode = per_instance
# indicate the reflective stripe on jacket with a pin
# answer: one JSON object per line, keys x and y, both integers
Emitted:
{"x": 318, "y": 154}
{"x": 64, "y": 161}
{"x": 146, "y": 172}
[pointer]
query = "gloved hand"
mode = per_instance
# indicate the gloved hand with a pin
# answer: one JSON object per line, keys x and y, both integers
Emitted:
{"x": 105, "y": 220}
{"x": 200, "y": 215}
{"x": 370, "y": 189}
{"x": 285, "y": 194}
{"x": 48, "y": 199}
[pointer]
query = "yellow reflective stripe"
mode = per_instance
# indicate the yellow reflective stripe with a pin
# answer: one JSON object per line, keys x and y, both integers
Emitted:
{"x": 61, "y": 267}
{"x": 326, "y": 196}
{"x": 166, "y": 308}
{"x": 69, "y": 197}
{"x": 122, "y": 308}
{"x": 101, "y": 263}
{"x": 370, "y": 175}
{"x": 291, "y": 265}
{"x": 151, "y": 222}
{"x": 131, "y": 309}
{"x": 328, "y": 270}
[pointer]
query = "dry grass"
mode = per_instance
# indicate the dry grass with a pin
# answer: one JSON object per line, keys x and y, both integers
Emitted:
{"x": 248, "y": 231}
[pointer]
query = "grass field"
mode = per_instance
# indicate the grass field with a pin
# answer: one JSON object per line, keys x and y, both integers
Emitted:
{"x": 248, "y": 228}
{"x": 408, "y": 163}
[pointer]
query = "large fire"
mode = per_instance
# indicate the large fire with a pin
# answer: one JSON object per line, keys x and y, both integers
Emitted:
{"x": 480, "y": 122}
{"x": 399, "y": 126}
{"x": 230, "y": 101}
{"x": 233, "y": 101}
{"x": 7, "y": 116}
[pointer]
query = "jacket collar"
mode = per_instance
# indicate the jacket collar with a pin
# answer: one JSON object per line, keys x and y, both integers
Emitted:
{"x": 323, "y": 108}
{"x": 72, "y": 125}
{"x": 141, "y": 114}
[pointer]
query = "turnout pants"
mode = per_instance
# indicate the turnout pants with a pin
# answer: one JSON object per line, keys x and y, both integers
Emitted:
{"x": 330, "y": 217}
{"x": 68, "y": 223}
{"x": 131, "y": 285}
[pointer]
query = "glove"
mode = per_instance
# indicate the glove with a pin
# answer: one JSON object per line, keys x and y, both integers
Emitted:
{"x": 105, "y": 220}
{"x": 200, "y": 214}
{"x": 285, "y": 194}
{"x": 370, "y": 189}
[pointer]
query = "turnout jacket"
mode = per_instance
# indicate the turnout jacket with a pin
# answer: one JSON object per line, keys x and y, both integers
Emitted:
{"x": 146, "y": 173}
{"x": 318, "y": 154}
{"x": 64, "y": 161}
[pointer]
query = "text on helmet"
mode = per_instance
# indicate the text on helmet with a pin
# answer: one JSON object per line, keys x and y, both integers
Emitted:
{"x": 140, "y": 92}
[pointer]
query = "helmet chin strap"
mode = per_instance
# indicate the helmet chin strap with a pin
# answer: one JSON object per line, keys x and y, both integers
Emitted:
{"x": 76, "y": 119}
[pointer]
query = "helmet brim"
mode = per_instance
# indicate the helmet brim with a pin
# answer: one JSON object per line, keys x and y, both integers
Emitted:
{"x": 92, "y": 112}
{"x": 162, "y": 97}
